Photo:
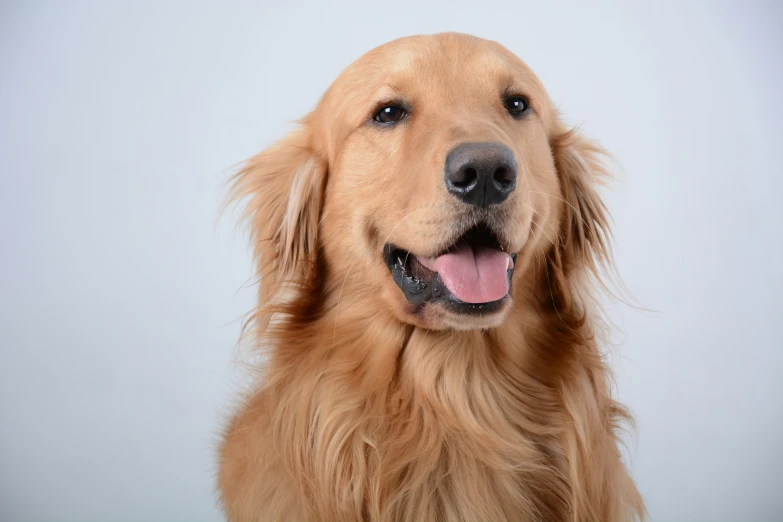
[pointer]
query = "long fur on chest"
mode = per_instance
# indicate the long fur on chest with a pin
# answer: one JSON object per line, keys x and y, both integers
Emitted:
{"x": 362, "y": 419}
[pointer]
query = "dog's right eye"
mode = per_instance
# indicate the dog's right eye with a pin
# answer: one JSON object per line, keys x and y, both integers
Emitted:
{"x": 390, "y": 114}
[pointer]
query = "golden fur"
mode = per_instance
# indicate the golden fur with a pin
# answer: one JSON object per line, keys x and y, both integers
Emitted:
{"x": 373, "y": 410}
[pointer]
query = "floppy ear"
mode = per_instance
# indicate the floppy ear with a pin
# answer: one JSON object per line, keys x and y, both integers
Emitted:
{"x": 283, "y": 188}
{"x": 585, "y": 234}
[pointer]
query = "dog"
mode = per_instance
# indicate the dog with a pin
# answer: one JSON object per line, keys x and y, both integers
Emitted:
{"x": 429, "y": 244}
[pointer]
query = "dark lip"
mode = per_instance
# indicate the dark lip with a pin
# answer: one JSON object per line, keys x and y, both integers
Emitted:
{"x": 419, "y": 291}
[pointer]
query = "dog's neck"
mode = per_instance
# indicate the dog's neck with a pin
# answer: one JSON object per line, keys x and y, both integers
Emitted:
{"x": 524, "y": 403}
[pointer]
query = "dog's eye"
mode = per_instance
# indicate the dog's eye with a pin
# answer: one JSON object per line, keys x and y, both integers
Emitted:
{"x": 390, "y": 114}
{"x": 516, "y": 105}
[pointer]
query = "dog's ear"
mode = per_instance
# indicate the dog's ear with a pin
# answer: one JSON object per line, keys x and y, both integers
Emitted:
{"x": 585, "y": 234}
{"x": 283, "y": 190}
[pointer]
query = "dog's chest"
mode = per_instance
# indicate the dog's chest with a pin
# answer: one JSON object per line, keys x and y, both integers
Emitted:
{"x": 478, "y": 463}
{"x": 468, "y": 486}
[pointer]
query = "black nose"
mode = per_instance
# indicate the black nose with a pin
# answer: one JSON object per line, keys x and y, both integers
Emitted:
{"x": 481, "y": 174}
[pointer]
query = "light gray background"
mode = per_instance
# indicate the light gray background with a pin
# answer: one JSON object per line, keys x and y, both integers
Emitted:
{"x": 119, "y": 296}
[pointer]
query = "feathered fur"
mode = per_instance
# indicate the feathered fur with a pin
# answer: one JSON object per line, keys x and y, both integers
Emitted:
{"x": 359, "y": 416}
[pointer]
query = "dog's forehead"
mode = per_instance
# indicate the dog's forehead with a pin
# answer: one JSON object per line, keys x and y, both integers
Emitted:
{"x": 438, "y": 51}
{"x": 439, "y": 69}
{"x": 436, "y": 60}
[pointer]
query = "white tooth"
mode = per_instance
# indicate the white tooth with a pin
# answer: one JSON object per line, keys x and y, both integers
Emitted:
{"x": 428, "y": 262}
{"x": 510, "y": 263}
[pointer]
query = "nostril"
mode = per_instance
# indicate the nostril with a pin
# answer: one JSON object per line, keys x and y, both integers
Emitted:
{"x": 481, "y": 174}
{"x": 464, "y": 177}
{"x": 504, "y": 176}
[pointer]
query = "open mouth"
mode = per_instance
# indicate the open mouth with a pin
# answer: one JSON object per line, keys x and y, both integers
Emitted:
{"x": 472, "y": 276}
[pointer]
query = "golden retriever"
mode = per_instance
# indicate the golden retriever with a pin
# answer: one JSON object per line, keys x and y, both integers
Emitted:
{"x": 428, "y": 244}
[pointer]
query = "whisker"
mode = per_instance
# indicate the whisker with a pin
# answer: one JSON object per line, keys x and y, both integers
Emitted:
{"x": 578, "y": 211}
{"x": 340, "y": 296}
{"x": 400, "y": 221}
{"x": 533, "y": 222}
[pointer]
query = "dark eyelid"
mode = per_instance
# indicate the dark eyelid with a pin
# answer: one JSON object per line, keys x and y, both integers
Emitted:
{"x": 396, "y": 102}
{"x": 512, "y": 91}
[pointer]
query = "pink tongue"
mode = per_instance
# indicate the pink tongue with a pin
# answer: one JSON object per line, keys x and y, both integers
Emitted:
{"x": 474, "y": 277}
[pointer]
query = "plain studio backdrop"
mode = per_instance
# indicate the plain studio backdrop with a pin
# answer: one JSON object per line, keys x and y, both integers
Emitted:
{"x": 120, "y": 297}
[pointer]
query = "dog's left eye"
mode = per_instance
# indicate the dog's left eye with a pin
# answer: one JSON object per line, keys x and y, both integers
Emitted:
{"x": 516, "y": 105}
{"x": 390, "y": 114}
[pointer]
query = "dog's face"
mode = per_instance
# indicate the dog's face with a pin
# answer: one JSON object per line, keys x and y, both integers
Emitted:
{"x": 442, "y": 168}
{"x": 429, "y": 173}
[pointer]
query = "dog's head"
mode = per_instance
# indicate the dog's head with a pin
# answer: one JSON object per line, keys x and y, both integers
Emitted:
{"x": 432, "y": 174}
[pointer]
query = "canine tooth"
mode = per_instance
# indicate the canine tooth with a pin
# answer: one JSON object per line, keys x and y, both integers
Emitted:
{"x": 510, "y": 263}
